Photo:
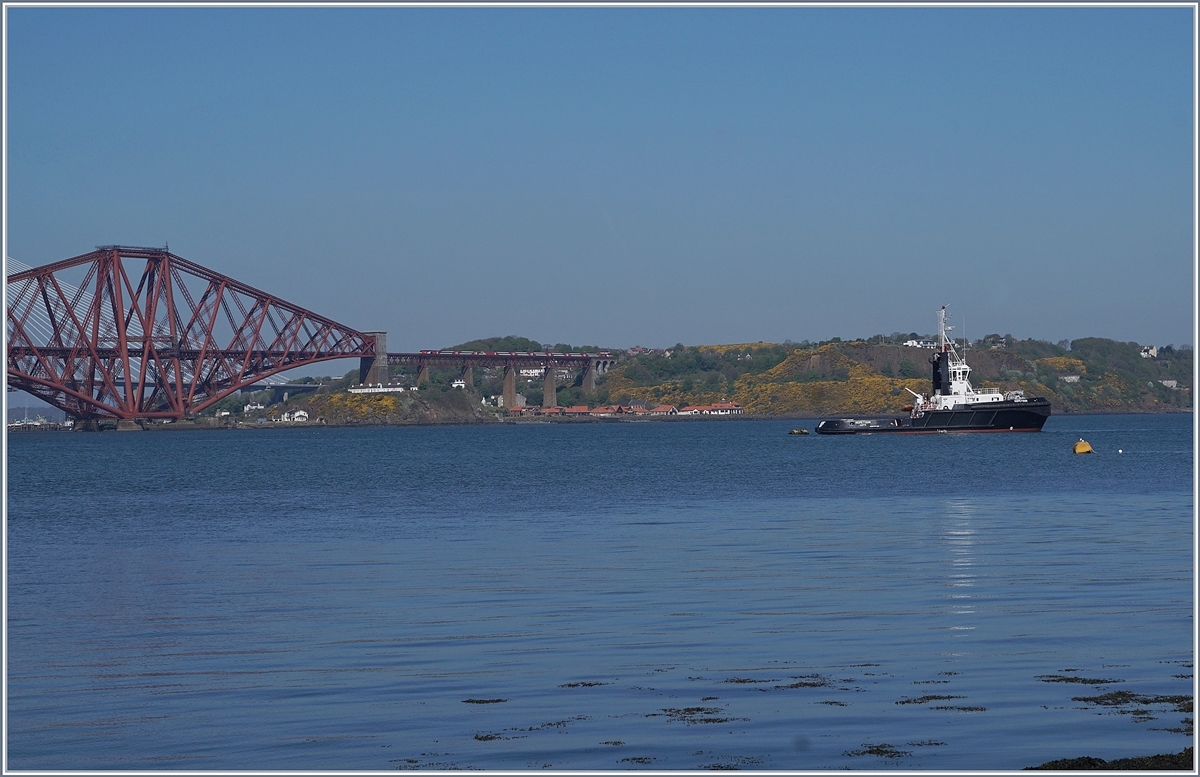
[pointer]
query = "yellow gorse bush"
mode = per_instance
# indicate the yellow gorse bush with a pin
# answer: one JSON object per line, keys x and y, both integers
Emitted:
{"x": 1063, "y": 364}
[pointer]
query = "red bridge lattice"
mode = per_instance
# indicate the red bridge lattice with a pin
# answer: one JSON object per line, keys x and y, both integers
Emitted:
{"x": 85, "y": 338}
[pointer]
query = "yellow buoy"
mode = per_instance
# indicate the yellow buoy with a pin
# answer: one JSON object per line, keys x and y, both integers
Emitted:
{"x": 1083, "y": 446}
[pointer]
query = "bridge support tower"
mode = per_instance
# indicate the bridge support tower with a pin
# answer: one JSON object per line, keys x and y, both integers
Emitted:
{"x": 549, "y": 396}
{"x": 510, "y": 385}
{"x": 374, "y": 369}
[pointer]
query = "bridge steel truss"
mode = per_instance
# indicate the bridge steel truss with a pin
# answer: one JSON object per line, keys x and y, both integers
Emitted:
{"x": 179, "y": 340}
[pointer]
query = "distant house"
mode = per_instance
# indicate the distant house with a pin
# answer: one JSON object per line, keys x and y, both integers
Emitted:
{"x": 252, "y": 406}
{"x": 717, "y": 408}
{"x": 1069, "y": 378}
{"x": 664, "y": 410}
{"x": 920, "y": 343}
{"x": 296, "y": 417}
{"x": 518, "y": 400}
{"x": 458, "y": 384}
{"x": 553, "y": 410}
{"x": 1149, "y": 352}
{"x": 577, "y": 410}
{"x": 1170, "y": 383}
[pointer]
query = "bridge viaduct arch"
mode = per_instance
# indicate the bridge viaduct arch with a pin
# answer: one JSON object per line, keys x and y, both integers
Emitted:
{"x": 590, "y": 365}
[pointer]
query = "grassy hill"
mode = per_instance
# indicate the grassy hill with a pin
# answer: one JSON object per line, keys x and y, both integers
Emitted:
{"x": 806, "y": 379}
{"x": 862, "y": 377}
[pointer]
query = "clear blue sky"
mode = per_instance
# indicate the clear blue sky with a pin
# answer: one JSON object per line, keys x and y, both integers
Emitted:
{"x": 627, "y": 176}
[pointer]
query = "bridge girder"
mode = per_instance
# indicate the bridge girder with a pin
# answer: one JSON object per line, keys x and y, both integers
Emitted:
{"x": 179, "y": 340}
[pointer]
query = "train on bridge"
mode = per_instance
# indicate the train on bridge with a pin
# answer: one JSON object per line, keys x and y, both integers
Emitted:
{"x": 534, "y": 354}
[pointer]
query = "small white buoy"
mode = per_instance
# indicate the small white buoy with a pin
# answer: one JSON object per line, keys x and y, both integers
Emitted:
{"x": 1120, "y": 451}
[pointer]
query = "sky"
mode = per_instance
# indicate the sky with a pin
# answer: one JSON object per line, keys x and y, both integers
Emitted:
{"x": 620, "y": 177}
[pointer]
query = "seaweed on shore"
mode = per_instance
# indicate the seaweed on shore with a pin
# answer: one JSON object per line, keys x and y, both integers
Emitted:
{"x": 693, "y": 715}
{"x": 883, "y": 750}
{"x": 1137, "y": 707}
{"x": 819, "y": 682}
{"x": 1062, "y": 678}
{"x": 929, "y": 698}
{"x": 1161, "y": 762}
{"x": 732, "y": 764}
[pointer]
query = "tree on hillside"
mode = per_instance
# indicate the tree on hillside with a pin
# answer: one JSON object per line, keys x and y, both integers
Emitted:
{"x": 506, "y": 343}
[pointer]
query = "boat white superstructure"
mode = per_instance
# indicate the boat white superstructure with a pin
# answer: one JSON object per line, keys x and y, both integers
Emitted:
{"x": 954, "y": 390}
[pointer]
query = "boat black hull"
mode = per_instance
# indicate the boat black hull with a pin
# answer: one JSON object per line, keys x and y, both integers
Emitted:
{"x": 1027, "y": 416}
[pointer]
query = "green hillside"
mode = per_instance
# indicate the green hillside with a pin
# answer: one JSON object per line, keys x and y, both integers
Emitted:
{"x": 870, "y": 377}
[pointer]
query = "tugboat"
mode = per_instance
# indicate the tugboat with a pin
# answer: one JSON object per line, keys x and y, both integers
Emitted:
{"x": 954, "y": 406}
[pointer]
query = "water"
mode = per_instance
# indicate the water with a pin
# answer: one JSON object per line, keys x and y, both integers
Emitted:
{"x": 639, "y": 595}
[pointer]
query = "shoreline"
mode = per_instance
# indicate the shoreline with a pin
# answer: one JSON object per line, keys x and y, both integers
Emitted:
{"x": 208, "y": 424}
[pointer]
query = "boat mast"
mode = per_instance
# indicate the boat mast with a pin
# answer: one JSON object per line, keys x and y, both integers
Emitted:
{"x": 944, "y": 344}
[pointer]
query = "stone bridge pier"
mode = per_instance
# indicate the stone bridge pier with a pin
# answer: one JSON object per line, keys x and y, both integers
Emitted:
{"x": 510, "y": 385}
{"x": 374, "y": 369}
{"x": 594, "y": 368}
{"x": 549, "y": 394}
{"x": 588, "y": 365}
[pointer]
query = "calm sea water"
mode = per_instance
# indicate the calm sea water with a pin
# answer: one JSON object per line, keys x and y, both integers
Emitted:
{"x": 599, "y": 596}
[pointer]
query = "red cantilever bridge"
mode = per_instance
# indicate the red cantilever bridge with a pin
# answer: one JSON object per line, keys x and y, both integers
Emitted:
{"x": 127, "y": 333}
